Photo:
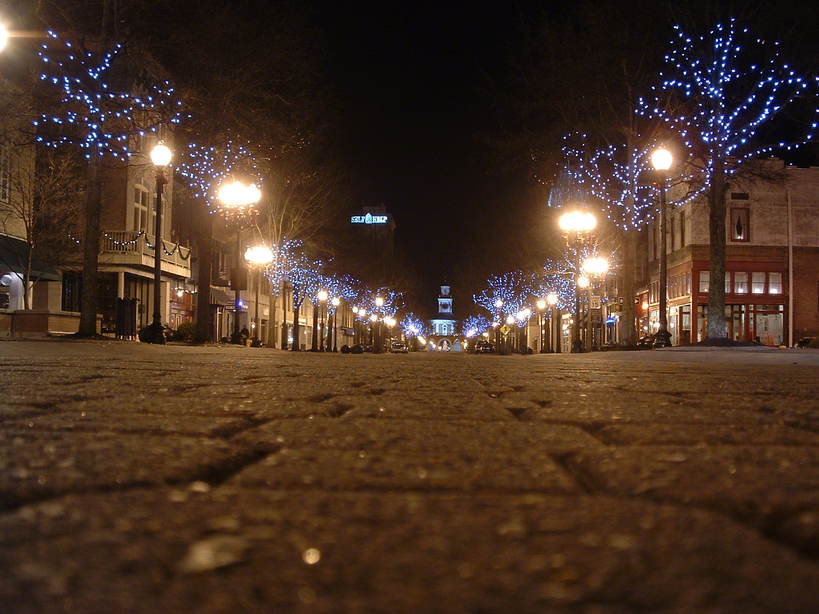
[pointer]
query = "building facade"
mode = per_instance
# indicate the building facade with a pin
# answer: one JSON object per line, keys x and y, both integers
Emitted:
{"x": 772, "y": 261}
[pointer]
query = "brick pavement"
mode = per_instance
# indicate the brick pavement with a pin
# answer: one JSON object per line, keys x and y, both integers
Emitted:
{"x": 220, "y": 479}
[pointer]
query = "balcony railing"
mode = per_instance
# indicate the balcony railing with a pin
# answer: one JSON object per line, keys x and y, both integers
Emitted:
{"x": 140, "y": 243}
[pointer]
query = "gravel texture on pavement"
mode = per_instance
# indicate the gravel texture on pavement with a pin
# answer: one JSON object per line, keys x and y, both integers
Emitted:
{"x": 149, "y": 479}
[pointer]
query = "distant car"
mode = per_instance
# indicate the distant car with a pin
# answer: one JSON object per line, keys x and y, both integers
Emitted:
{"x": 398, "y": 347}
{"x": 484, "y": 347}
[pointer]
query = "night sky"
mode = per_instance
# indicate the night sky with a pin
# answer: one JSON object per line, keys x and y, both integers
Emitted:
{"x": 412, "y": 80}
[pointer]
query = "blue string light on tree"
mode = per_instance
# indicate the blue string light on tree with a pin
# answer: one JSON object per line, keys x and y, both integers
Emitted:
{"x": 413, "y": 326}
{"x": 92, "y": 114}
{"x": 723, "y": 88}
{"x": 475, "y": 325}
{"x": 506, "y": 293}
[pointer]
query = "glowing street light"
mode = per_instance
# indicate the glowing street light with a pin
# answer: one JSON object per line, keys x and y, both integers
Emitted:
{"x": 160, "y": 157}
{"x": 575, "y": 224}
{"x": 583, "y": 282}
{"x": 4, "y": 36}
{"x": 237, "y": 199}
{"x": 258, "y": 256}
{"x": 510, "y": 320}
{"x": 661, "y": 160}
{"x": 379, "y": 301}
{"x": 498, "y": 304}
{"x": 596, "y": 265}
{"x": 541, "y": 304}
{"x": 551, "y": 298}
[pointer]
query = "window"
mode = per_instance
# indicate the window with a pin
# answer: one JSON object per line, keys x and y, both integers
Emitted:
{"x": 141, "y": 198}
{"x": 688, "y": 283}
{"x": 740, "y": 283}
{"x": 72, "y": 291}
{"x": 5, "y": 172}
{"x": 739, "y": 226}
{"x": 739, "y": 195}
{"x": 775, "y": 283}
{"x": 727, "y": 282}
{"x": 705, "y": 277}
{"x": 757, "y": 283}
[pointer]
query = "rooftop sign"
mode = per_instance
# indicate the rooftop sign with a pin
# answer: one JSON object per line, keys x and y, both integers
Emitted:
{"x": 369, "y": 218}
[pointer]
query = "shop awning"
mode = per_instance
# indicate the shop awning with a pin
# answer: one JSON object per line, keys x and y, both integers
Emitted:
{"x": 220, "y": 297}
{"x": 13, "y": 260}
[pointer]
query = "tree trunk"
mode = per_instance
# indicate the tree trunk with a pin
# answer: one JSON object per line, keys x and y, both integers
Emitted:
{"x": 716, "y": 287}
{"x": 284, "y": 316}
{"x": 314, "y": 338}
{"x": 204, "y": 329}
{"x": 27, "y": 276}
{"x": 296, "y": 344}
{"x": 91, "y": 244}
{"x": 628, "y": 329}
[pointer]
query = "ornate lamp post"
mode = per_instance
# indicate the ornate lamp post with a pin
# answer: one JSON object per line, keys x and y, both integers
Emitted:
{"x": 596, "y": 268}
{"x": 551, "y": 300}
{"x": 378, "y": 344}
{"x": 576, "y": 225}
{"x": 661, "y": 160}
{"x": 335, "y": 302}
{"x": 238, "y": 201}
{"x": 258, "y": 256}
{"x": 161, "y": 157}
{"x": 373, "y": 320}
{"x": 322, "y": 301}
{"x": 541, "y": 307}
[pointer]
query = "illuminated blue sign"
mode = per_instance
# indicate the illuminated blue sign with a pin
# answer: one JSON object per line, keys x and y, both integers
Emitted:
{"x": 369, "y": 218}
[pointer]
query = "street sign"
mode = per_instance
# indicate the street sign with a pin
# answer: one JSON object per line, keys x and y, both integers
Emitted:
{"x": 505, "y": 330}
{"x": 595, "y": 302}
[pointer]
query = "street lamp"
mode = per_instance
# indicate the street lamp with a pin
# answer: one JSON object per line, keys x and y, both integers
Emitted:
{"x": 335, "y": 303}
{"x": 378, "y": 342}
{"x": 551, "y": 300}
{"x": 160, "y": 157}
{"x": 541, "y": 307}
{"x": 236, "y": 200}
{"x": 661, "y": 160}
{"x": 595, "y": 267}
{"x": 258, "y": 256}
{"x": 576, "y": 224}
{"x": 318, "y": 312}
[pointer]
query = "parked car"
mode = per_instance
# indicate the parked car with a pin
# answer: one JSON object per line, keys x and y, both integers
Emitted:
{"x": 398, "y": 347}
{"x": 484, "y": 347}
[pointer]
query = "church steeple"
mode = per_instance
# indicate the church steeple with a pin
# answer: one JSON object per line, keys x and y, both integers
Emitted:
{"x": 445, "y": 302}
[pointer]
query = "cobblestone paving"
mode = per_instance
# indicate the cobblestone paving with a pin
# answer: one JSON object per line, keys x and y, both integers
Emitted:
{"x": 139, "y": 479}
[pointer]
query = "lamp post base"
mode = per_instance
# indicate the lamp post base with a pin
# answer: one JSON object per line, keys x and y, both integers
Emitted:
{"x": 662, "y": 339}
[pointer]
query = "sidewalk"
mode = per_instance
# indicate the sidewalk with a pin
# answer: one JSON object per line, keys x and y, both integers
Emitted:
{"x": 145, "y": 479}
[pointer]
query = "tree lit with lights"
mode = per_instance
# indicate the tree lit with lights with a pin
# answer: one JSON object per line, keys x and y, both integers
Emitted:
{"x": 725, "y": 87}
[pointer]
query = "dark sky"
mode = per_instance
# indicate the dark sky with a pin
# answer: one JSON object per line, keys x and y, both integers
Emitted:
{"x": 412, "y": 80}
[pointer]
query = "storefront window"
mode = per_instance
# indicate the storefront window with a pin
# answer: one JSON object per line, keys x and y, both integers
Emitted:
{"x": 705, "y": 276}
{"x": 775, "y": 283}
{"x": 758, "y": 283}
{"x": 740, "y": 283}
{"x": 727, "y": 282}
